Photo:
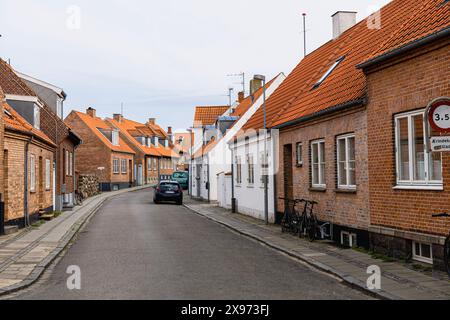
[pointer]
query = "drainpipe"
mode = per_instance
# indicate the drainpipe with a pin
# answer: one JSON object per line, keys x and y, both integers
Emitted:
{"x": 233, "y": 199}
{"x": 25, "y": 195}
{"x": 207, "y": 174}
{"x": 159, "y": 170}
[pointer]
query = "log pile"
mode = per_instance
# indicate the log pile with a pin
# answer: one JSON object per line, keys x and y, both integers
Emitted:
{"x": 88, "y": 186}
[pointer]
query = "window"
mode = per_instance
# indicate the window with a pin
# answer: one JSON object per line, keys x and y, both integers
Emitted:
{"x": 67, "y": 162}
{"x": 116, "y": 166}
{"x": 47, "y": 174}
{"x": 124, "y": 165}
{"x": 264, "y": 166}
{"x": 115, "y": 138}
{"x": 149, "y": 164}
{"x": 318, "y": 164}
{"x": 238, "y": 170}
{"x": 37, "y": 117}
{"x": 415, "y": 166}
{"x": 299, "y": 154}
{"x": 422, "y": 252}
{"x": 155, "y": 164}
{"x": 250, "y": 169}
{"x": 70, "y": 164}
{"x": 346, "y": 162}
{"x": 32, "y": 173}
{"x": 329, "y": 71}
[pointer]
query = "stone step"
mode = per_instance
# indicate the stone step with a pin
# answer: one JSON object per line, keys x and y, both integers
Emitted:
{"x": 11, "y": 229}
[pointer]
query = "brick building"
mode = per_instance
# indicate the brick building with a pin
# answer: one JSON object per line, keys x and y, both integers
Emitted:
{"x": 34, "y": 109}
{"x": 28, "y": 170}
{"x": 142, "y": 140}
{"x": 104, "y": 152}
{"x": 407, "y": 183}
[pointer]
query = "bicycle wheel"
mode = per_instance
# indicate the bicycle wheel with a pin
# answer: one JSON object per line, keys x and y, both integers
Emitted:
{"x": 311, "y": 229}
{"x": 447, "y": 255}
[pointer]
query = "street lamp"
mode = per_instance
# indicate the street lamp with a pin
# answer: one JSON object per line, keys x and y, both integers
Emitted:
{"x": 262, "y": 78}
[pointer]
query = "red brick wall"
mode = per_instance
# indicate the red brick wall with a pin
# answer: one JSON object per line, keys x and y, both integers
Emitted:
{"x": 92, "y": 153}
{"x": 346, "y": 209}
{"x": 407, "y": 85}
{"x": 122, "y": 177}
{"x": 14, "y": 178}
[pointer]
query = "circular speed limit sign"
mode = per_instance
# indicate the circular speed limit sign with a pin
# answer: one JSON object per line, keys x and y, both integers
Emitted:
{"x": 439, "y": 115}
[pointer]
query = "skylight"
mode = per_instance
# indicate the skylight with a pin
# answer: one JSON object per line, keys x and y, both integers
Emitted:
{"x": 338, "y": 61}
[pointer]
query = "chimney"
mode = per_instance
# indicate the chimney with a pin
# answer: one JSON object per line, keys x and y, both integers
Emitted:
{"x": 170, "y": 134}
{"x": 91, "y": 112}
{"x": 152, "y": 120}
{"x": 342, "y": 21}
{"x": 241, "y": 96}
{"x": 118, "y": 117}
{"x": 255, "y": 85}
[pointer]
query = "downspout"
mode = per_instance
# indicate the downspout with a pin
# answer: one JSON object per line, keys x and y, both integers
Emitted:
{"x": 233, "y": 199}
{"x": 274, "y": 176}
{"x": 208, "y": 182}
{"x": 25, "y": 195}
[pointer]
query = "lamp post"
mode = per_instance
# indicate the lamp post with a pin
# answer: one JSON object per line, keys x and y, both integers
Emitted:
{"x": 265, "y": 158}
{"x": 190, "y": 130}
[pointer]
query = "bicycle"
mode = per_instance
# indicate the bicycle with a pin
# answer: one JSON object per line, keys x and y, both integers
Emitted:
{"x": 308, "y": 221}
{"x": 447, "y": 244}
{"x": 78, "y": 198}
{"x": 290, "y": 220}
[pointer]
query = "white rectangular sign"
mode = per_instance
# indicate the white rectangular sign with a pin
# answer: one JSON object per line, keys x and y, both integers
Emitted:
{"x": 440, "y": 144}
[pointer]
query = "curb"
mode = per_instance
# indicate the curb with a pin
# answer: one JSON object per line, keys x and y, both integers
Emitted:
{"x": 68, "y": 237}
{"x": 348, "y": 279}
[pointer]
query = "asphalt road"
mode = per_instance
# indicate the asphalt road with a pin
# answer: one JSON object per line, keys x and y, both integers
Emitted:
{"x": 133, "y": 249}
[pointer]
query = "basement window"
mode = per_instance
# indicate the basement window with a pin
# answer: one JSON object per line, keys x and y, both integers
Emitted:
{"x": 348, "y": 239}
{"x": 423, "y": 252}
{"x": 329, "y": 71}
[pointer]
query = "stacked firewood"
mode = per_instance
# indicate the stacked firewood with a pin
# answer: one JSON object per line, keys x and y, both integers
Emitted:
{"x": 88, "y": 185}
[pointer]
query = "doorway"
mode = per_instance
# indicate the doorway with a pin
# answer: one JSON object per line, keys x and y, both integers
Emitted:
{"x": 288, "y": 172}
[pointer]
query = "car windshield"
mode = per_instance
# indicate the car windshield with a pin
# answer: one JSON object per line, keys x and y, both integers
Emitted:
{"x": 178, "y": 175}
{"x": 169, "y": 187}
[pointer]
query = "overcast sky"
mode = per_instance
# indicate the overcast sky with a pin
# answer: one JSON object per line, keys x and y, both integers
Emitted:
{"x": 160, "y": 58}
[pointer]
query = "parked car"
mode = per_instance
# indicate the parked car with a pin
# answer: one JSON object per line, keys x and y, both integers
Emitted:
{"x": 168, "y": 191}
{"x": 182, "y": 177}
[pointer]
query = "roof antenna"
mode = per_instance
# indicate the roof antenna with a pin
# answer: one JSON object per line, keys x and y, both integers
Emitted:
{"x": 242, "y": 74}
{"x": 121, "y": 109}
{"x": 304, "y": 34}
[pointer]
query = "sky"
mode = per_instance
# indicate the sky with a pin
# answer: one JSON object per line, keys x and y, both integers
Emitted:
{"x": 160, "y": 59}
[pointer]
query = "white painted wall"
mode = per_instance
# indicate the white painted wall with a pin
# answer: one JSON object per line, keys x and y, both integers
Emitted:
{"x": 250, "y": 197}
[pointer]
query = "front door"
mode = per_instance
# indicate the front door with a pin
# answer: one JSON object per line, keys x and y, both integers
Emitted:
{"x": 288, "y": 172}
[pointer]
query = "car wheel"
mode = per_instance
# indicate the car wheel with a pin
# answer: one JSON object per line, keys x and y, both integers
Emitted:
{"x": 155, "y": 201}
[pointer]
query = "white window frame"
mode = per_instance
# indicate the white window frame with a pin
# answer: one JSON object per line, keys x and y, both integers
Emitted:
{"x": 352, "y": 237}
{"x": 420, "y": 257}
{"x": 155, "y": 164}
{"x": 116, "y": 166}
{"x": 250, "y": 169}
{"x": 67, "y": 163}
{"x": 124, "y": 166}
{"x": 32, "y": 173}
{"x": 115, "y": 137}
{"x": 321, "y": 184}
{"x": 299, "y": 154}
{"x": 70, "y": 163}
{"x": 47, "y": 174}
{"x": 411, "y": 183}
{"x": 37, "y": 117}
{"x": 346, "y": 138}
{"x": 238, "y": 170}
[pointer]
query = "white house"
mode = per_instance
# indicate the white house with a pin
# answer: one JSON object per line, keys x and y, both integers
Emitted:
{"x": 213, "y": 160}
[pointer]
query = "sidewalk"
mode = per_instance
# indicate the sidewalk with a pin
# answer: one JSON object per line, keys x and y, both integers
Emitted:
{"x": 398, "y": 282}
{"x": 25, "y": 255}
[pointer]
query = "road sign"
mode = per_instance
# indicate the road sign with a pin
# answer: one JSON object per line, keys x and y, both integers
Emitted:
{"x": 439, "y": 115}
{"x": 437, "y": 125}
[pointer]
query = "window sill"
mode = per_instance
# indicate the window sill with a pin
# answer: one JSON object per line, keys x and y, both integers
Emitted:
{"x": 420, "y": 187}
{"x": 251, "y": 186}
{"x": 318, "y": 189}
{"x": 348, "y": 191}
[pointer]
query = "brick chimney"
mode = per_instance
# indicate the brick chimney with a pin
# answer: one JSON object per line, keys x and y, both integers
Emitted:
{"x": 91, "y": 112}
{"x": 342, "y": 21}
{"x": 255, "y": 85}
{"x": 241, "y": 96}
{"x": 118, "y": 117}
{"x": 170, "y": 134}
{"x": 152, "y": 120}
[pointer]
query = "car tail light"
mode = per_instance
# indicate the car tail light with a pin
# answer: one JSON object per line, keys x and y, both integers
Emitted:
{"x": 158, "y": 189}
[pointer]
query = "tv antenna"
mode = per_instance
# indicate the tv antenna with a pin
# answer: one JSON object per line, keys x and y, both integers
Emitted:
{"x": 242, "y": 75}
{"x": 304, "y": 34}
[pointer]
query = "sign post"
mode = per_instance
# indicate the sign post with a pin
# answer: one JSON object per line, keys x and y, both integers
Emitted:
{"x": 437, "y": 117}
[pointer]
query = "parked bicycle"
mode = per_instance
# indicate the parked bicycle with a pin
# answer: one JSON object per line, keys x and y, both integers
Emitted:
{"x": 290, "y": 220}
{"x": 78, "y": 198}
{"x": 447, "y": 244}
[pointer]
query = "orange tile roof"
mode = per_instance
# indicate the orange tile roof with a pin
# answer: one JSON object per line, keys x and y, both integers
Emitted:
{"x": 97, "y": 123}
{"x": 130, "y": 129}
{"x": 205, "y": 148}
{"x": 15, "y": 122}
{"x": 295, "y": 97}
{"x": 207, "y": 115}
{"x": 432, "y": 17}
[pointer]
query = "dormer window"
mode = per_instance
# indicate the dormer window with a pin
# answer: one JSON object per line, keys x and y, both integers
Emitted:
{"x": 37, "y": 117}
{"x": 115, "y": 137}
{"x": 149, "y": 142}
{"x": 329, "y": 71}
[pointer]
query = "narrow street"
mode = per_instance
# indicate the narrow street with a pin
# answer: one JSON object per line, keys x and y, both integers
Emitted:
{"x": 133, "y": 249}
